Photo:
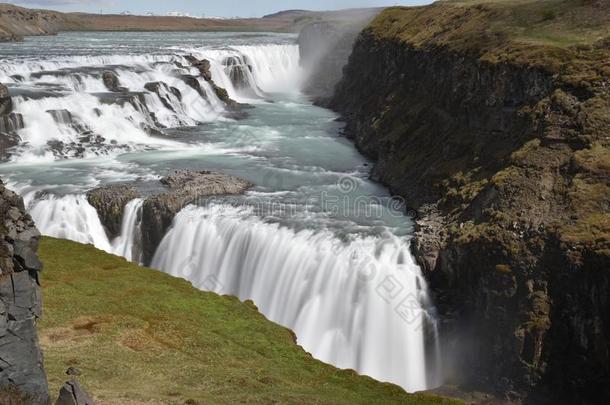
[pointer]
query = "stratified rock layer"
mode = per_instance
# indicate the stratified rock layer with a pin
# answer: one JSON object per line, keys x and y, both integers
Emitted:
{"x": 21, "y": 363}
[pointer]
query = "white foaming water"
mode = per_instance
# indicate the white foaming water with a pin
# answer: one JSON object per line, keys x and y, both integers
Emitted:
{"x": 360, "y": 305}
{"x": 127, "y": 244}
{"x": 70, "y": 217}
{"x": 270, "y": 68}
{"x": 106, "y": 122}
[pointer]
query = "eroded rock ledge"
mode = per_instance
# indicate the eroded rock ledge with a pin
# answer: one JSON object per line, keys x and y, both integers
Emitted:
{"x": 504, "y": 147}
{"x": 21, "y": 363}
{"x": 174, "y": 192}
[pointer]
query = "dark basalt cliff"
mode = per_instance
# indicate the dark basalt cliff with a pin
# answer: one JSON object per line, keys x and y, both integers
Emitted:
{"x": 502, "y": 142}
{"x": 22, "y": 374}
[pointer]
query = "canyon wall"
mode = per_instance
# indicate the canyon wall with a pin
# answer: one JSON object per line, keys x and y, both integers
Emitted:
{"x": 21, "y": 364}
{"x": 502, "y": 145}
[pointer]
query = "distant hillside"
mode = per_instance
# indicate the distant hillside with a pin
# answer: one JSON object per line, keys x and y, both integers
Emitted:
{"x": 18, "y": 22}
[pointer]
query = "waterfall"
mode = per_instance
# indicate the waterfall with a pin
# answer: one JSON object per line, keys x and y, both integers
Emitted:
{"x": 355, "y": 301}
{"x": 128, "y": 243}
{"x": 66, "y": 111}
{"x": 72, "y": 217}
{"x": 361, "y": 305}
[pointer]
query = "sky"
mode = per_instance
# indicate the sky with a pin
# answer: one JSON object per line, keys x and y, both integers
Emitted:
{"x": 220, "y": 8}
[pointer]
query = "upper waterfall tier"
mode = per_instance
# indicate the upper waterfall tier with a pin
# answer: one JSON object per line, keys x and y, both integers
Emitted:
{"x": 89, "y": 105}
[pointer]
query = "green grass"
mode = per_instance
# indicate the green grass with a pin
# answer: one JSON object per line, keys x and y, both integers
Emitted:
{"x": 141, "y": 336}
{"x": 562, "y": 36}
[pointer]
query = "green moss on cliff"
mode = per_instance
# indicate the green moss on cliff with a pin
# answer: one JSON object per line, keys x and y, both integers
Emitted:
{"x": 141, "y": 336}
{"x": 567, "y": 36}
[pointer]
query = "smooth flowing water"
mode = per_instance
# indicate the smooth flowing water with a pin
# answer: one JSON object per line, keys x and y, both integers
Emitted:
{"x": 315, "y": 244}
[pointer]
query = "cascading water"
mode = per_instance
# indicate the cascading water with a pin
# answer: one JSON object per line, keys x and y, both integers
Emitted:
{"x": 357, "y": 305}
{"x": 343, "y": 280}
{"x": 128, "y": 243}
{"x": 66, "y": 110}
{"x": 72, "y": 217}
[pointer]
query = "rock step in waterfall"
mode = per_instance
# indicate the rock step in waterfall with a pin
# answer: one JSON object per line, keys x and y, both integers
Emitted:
{"x": 75, "y": 108}
{"x": 363, "y": 304}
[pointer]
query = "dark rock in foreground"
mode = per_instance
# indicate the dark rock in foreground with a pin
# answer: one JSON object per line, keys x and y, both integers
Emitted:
{"x": 73, "y": 394}
{"x": 184, "y": 187}
{"x": 110, "y": 203}
{"x": 21, "y": 363}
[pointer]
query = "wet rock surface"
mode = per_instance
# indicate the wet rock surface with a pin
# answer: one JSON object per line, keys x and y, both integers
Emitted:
{"x": 21, "y": 363}
{"x": 184, "y": 187}
{"x": 6, "y": 103}
{"x": 109, "y": 203}
{"x": 202, "y": 65}
{"x": 235, "y": 109}
{"x": 162, "y": 202}
{"x": 10, "y": 123}
{"x": 111, "y": 81}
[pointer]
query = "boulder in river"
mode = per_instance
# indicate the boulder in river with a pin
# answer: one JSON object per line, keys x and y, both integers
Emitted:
{"x": 7, "y": 141}
{"x": 111, "y": 81}
{"x": 202, "y": 65}
{"x": 192, "y": 81}
{"x": 159, "y": 88}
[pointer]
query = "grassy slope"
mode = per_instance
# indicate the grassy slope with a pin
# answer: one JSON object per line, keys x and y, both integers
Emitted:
{"x": 570, "y": 37}
{"x": 141, "y": 336}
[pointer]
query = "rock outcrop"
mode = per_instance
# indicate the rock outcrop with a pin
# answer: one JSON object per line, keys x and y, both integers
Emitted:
{"x": 6, "y": 103}
{"x": 503, "y": 146}
{"x": 110, "y": 202}
{"x": 72, "y": 393}
{"x": 183, "y": 188}
{"x": 10, "y": 122}
{"x": 21, "y": 363}
{"x": 111, "y": 81}
{"x": 162, "y": 204}
{"x": 235, "y": 109}
{"x": 203, "y": 66}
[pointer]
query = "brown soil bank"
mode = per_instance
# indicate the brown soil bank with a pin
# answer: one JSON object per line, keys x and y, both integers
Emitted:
{"x": 494, "y": 119}
{"x": 17, "y": 22}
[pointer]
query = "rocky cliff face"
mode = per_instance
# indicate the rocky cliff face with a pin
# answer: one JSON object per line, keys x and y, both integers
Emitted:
{"x": 21, "y": 363}
{"x": 503, "y": 146}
